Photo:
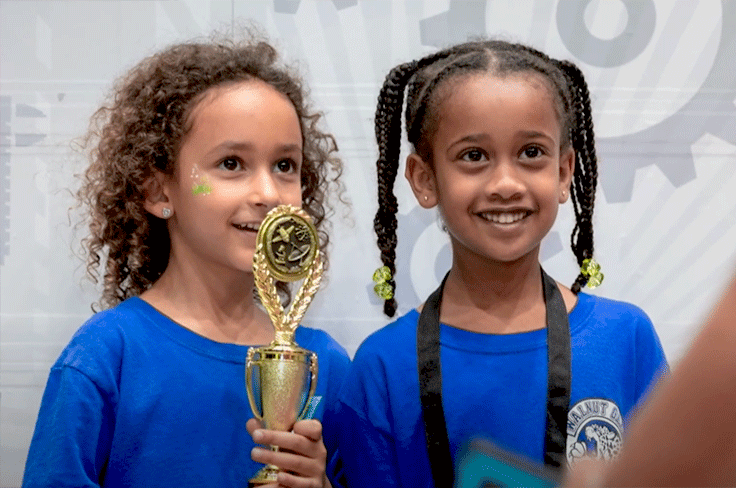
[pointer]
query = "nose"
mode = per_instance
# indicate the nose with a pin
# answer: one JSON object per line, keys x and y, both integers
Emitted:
{"x": 506, "y": 182}
{"x": 263, "y": 190}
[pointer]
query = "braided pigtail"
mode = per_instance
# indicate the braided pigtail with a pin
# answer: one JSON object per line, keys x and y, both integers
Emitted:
{"x": 585, "y": 175}
{"x": 388, "y": 137}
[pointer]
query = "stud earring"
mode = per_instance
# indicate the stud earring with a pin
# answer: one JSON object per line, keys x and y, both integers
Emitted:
{"x": 564, "y": 193}
{"x": 426, "y": 198}
{"x": 166, "y": 212}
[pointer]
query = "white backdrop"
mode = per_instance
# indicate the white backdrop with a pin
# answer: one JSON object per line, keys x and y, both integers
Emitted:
{"x": 662, "y": 78}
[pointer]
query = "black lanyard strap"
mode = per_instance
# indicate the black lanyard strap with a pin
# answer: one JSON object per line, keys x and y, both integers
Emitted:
{"x": 559, "y": 375}
{"x": 430, "y": 388}
{"x": 430, "y": 381}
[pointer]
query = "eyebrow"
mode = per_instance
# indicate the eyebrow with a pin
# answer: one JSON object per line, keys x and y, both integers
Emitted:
{"x": 246, "y": 146}
{"x": 479, "y": 137}
{"x": 469, "y": 138}
{"x": 532, "y": 134}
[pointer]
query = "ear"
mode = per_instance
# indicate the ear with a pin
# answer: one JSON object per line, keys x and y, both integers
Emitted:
{"x": 567, "y": 167}
{"x": 156, "y": 198}
{"x": 422, "y": 180}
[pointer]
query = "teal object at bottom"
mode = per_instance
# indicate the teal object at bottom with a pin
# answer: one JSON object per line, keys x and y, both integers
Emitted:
{"x": 484, "y": 465}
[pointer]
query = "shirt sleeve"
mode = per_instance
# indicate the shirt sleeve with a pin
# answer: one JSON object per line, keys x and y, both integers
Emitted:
{"x": 339, "y": 365}
{"x": 367, "y": 455}
{"x": 367, "y": 448}
{"x": 71, "y": 441}
{"x": 651, "y": 362}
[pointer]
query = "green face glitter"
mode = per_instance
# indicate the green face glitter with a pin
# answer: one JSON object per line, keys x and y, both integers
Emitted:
{"x": 201, "y": 186}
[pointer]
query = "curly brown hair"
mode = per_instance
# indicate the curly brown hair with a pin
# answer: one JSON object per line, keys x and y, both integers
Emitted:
{"x": 138, "y": 132}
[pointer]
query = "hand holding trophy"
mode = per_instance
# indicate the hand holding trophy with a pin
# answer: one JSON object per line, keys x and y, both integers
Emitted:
{"x": 281, "y": 389}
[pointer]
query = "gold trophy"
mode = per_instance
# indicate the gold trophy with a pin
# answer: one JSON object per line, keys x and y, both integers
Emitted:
{"x": 287, "y": 249}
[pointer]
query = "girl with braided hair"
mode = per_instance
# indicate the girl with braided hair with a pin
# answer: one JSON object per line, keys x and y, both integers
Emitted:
{"x": 501, "y": 135}
{"x": 196, "y": 145}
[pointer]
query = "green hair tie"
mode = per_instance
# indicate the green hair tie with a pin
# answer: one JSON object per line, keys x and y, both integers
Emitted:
{"x": 592, "y": 270}
{"x": 383, "y": 289}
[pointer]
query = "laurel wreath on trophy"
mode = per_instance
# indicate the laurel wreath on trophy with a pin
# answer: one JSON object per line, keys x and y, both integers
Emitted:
{"x": 306, "y": 293}
{"x": 287, "y": 250}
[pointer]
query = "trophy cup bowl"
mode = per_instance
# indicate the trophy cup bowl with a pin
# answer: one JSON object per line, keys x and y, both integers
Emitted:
{"x": 281, "y": 378}
{"x": 285, "y": 382}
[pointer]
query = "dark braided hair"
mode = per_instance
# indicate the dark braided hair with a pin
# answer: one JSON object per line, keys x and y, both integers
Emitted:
{"x": 421, "y": 79}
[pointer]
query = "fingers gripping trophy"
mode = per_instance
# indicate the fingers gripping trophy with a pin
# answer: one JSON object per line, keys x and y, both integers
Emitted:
{"x": 281, "y": 377}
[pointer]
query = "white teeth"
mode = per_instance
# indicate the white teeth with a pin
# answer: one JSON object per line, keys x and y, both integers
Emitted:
{"x": 503, "y": 217}
{"x": 251, "y": 227}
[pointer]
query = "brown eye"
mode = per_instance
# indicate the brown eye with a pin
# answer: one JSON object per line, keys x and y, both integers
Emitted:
{"x": 230, "y": 164}
{"x": 532, "y": 152}
{"x": 285, "y": 166}
{"x": 473, "y": 155}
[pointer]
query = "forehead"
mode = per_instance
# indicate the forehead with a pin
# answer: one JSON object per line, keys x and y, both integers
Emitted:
{"x": 248, "y": 117}
{"x": 244, "y": 96}
{"x": 488, "y": 102}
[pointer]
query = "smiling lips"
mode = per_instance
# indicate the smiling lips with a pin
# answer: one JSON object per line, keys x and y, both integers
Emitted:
{"x": 505, "y": 217}
{"x": 248, "y": 226}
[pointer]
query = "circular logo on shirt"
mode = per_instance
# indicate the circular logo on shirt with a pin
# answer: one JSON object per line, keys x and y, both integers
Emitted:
{"x": 594, "y": 430}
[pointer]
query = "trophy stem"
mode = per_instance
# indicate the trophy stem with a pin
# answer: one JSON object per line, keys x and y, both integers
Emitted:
{"x": 267, "y": 474}
{"x": 283, "y": 337}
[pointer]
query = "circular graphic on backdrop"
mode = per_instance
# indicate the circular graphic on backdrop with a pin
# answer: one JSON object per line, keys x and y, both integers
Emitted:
{"x": 643, "y": 59}
{"x": 640, "y": 20}
{"x": 649, "y": 71}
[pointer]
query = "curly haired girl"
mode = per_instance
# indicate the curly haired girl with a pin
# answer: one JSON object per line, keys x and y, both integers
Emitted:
{"x": 197, "y": 143}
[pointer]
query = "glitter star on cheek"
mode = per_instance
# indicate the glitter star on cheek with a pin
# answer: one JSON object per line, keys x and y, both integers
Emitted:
{"x": 201, "y": 189}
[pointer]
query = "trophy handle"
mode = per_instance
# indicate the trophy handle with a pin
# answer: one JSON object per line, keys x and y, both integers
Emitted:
{"x": 314, "y": 369}
{"x": 249, "y": 382}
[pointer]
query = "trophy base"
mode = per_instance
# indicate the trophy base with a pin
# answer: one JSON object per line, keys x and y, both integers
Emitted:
{"x": 266, "y": 475}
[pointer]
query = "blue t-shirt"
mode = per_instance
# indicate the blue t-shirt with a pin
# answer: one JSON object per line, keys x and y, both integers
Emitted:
{"x": 494, "y": 387}
{"x": 135, "y": 399}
